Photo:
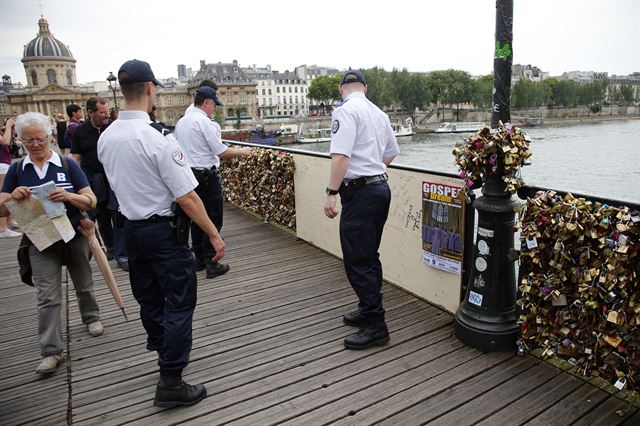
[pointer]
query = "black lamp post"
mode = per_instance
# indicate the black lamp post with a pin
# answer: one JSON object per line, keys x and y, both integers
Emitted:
{"x": 112, "y": 85}
{"x": 486, "y": 318}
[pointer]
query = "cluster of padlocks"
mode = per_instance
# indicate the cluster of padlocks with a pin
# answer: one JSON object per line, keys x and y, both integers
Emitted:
{"x": 579, "y": 293}
{"x": 262, "y": 184}
{"x": 483, "y": 153}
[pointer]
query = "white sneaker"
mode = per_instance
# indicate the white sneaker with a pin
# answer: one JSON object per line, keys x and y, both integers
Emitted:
{"x": 8, "y": 233}
{"x": 48, "y": 364}
{"x": 95, "y": 329}
{"x": 14, "y": 226}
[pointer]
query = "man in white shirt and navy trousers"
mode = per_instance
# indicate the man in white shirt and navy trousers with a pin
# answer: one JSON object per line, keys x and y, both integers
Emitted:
{"x": 362, "y": 145}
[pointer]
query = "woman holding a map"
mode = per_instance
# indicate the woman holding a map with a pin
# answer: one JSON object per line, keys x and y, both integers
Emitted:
{"x": 35, "y": 190}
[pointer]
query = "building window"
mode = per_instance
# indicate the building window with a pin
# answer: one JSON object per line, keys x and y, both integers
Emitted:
{"x": 229, "y": 98}
{"x": 51, "y": 76}
{"x": 296, "y": 89}
{"x": 183, "y": 100}
{"x": 69, "y": 78}
{"x": 277, "y": 89}
{"x": 3, "y": 109}
{"x": 242, "y": 98}
{"x": 269, "y": 91}
{"x": 169, "y": 100}
{"x": 270, "y": 103}
{"x": 264, "y": 92}
{"x": 34, "y": 78}
{"x": 289, "y": 89}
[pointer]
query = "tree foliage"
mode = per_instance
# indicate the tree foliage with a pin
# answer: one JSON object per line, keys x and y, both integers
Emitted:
{"x": 325, "y": 89}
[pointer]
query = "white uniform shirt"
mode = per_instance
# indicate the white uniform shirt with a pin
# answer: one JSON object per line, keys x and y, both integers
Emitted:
{"x": 362, "y": 132}
{"x": 201, "y": 139}
{"x": 145, "y": 169}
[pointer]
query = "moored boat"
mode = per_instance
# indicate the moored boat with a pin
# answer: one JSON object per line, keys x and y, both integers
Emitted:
{"x": 460, "y": 127}
{"x": 314, "y": 135}
{"x": 405, "y": 129}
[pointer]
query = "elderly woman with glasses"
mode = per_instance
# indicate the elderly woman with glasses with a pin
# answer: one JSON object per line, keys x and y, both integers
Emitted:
{"x": 40, "y": 166}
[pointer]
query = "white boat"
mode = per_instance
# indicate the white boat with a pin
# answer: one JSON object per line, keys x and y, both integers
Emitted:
{"x": 405, "y": 129}
{"x": 460, "y": 127}
{"x": 314, "y": 135}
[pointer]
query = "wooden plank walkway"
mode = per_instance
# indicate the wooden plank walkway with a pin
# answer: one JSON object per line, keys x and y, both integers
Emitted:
{"x": 268, "y": 345}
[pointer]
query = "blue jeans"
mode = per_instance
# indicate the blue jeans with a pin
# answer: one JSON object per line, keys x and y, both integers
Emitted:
{"x": 361, "y": 224}
{"x": 163, "y": 281}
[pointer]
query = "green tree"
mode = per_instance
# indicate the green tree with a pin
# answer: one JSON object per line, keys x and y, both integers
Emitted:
{"x": 566, "y": 93}
{"x": 379, "y": 86}
{"x": 325, "y": 89}
{"x": 409, "y": 90}
{"x": 238, "y": 110}
{"x": 217, "y": 117}
{"x": 482, "y": 96}
{"x": 626, "y": 92}
{"x": 450, "y": 87}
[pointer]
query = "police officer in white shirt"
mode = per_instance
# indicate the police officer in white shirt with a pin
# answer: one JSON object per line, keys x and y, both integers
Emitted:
{"x": 201, "y": 140}
{"x": 148, "y": 172}
{"x": 362, "y": 145}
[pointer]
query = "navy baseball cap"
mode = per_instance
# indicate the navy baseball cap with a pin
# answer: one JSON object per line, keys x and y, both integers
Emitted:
{"x": 353, "y": 76}
{"x": 209, "y": 93}
{"x": 135, "y": 71}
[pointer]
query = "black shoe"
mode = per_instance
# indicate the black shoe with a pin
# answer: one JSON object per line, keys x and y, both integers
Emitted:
{"x": 110, "y": 255}
{"x": 124, "y": 265}
{"x": 375, "y": 335}
{"x": 217, "y": 268}
{"x": 170, "y": 395}
{"x": 355, "y": 319}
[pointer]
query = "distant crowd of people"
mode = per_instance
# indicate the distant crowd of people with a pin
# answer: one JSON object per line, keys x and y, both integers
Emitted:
{"x": 151, "y": 191}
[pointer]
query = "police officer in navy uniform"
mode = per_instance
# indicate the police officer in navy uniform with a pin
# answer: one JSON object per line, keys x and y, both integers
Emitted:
{"x": 148, "y": 172}
{"x": 201, "y": 139}
{"x": 362, "y": 145}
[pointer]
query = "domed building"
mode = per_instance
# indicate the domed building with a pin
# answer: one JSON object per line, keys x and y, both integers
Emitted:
{"x": 50, "y": 69}
{"x": 48, "y": 61}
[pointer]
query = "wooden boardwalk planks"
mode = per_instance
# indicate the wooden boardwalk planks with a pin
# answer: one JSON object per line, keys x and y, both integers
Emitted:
{"x": 268, "y": 345}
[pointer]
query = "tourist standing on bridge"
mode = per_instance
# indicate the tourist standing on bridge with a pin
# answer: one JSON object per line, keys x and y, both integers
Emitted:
{"x": 149, "y": 174}
{"x": 85, "y": 151}
{"x": 201, "y": 140}
{"x": 42, "y": 165}
{"x": 362, "y": 145}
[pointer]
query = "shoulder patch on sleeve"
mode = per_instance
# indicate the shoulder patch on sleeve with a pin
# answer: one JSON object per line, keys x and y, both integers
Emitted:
{"x": 178, "y": 157}
{"x": 335, "y": 126}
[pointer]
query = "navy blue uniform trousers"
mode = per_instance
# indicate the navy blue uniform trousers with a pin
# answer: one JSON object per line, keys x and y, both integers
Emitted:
{"x": 361, "y": 223}
{"x": 163, "y": 281}
{"x": 210, "y": 192}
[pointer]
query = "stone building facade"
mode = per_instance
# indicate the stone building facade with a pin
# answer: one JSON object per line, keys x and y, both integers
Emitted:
{"x": 50, "y": 70}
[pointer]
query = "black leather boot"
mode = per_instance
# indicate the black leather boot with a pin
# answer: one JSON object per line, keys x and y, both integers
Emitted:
{"x": 172, "y": 392}
{"x": 216, "y": 268}
{"x": 355, "y": 319}
{"x": 371, "y": 335}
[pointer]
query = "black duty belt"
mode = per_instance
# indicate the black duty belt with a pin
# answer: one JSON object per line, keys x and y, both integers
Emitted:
{"x": 364, "y": 180}
{"x": 153, "y": 219}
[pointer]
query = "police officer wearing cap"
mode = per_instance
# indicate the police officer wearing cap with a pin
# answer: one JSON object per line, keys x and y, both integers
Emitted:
{"x": 362, "y": 145}
{"x": 148, "y": 172}
{"x": 201, "y": 139}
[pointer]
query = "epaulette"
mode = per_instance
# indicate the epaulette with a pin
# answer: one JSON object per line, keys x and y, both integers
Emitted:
{"x": 341, "y": 103}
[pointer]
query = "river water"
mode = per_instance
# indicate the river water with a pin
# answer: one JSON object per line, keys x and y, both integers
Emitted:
{"x": 600, "y": 159}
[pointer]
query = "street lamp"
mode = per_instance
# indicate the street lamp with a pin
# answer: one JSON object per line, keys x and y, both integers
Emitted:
{"x": 112, "y": 85}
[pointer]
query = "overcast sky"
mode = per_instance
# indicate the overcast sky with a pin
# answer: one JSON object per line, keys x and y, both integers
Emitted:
{"x": 555, "y": 35}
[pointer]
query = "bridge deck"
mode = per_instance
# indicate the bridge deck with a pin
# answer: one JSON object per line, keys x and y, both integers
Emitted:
{"x": 268, "y": 345}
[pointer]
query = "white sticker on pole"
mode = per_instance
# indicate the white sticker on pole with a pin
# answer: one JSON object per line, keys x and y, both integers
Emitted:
{"x": 475, "y": 298}
{"x": 484, "y": 232}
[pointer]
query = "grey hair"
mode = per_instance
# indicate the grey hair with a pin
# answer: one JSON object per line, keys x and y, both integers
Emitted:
{"x": 32, "y": 119}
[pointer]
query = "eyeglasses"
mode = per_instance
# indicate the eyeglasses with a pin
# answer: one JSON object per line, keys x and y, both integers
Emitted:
{"x": 40, "y": 141}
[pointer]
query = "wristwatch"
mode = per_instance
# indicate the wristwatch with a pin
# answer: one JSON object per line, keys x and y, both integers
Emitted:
{"x": 330, "y": 191}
